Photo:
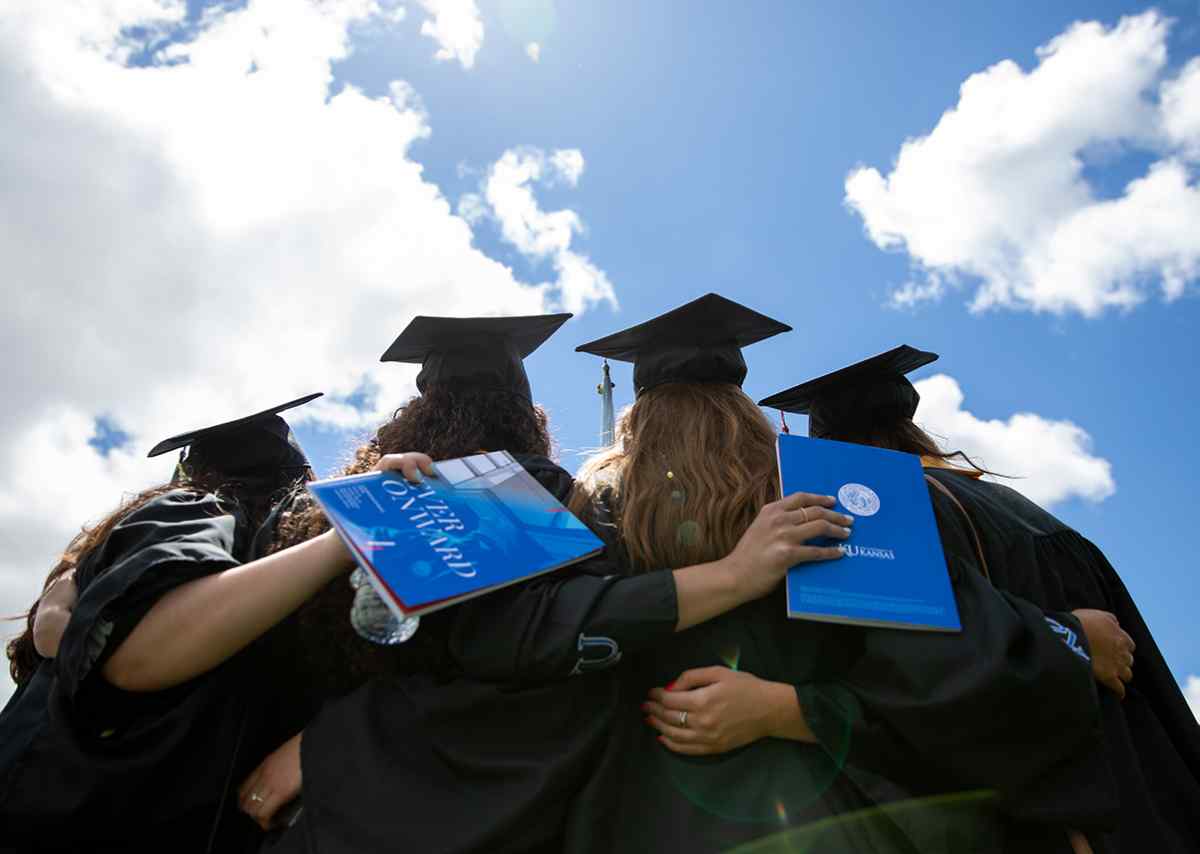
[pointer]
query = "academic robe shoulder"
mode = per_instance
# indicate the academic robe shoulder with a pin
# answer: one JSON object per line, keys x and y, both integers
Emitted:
{"x": 113, "y": 770}
{"x": 174, "y": 538}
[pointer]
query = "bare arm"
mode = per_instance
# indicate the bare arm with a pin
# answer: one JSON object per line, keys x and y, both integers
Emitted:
{"x": 53, "y": 613}
{"x": 202, "y": 623}
{"x": 705, "y": 591}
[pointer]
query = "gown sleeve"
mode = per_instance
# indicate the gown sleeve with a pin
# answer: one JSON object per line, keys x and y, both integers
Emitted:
{"x": 1151, "y": 735}
{"x": 567, "y": 623}
{"x": 174, "y": 538}
{"x": 1009, "y": 704}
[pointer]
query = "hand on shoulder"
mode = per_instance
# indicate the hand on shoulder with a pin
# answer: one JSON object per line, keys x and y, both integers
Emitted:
{"x": 778, "y": 539}
{"x": 413, "y": 465}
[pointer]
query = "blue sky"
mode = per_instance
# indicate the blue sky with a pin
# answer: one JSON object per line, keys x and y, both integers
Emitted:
{"x": 224, "y": 205}
{"x": 718, "y": 138}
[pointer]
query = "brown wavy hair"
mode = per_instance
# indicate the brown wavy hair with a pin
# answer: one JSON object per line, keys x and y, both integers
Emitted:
{"x": 445, "y": 422}
{"x": 692, "y": 465}
{"x": 904, "y": 435}
{"x": 23, "y": 658}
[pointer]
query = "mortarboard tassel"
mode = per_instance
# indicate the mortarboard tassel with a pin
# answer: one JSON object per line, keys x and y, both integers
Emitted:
{"x": 607, "y": 420}
{"x": 783, "y": 428}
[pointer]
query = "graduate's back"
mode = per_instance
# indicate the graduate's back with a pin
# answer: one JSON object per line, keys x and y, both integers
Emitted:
{"x": 1152, "y": 738}
{"x": 676, "y": 491}
{"x": 693, "y": 463}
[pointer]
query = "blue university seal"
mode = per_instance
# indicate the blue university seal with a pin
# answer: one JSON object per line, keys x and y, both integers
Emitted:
{"x": 858, "y": 499}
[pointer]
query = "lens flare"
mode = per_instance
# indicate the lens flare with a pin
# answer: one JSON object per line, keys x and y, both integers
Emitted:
{"x": 769, "y": 781}
{"x": 944, "y": 824}
{"x": 688, "y": 533}
{"x": 528, "y": 23}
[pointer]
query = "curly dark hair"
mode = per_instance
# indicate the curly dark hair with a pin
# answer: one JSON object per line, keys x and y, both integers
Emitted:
{"x": 454, "y": 422}
{"x": 444, "y": 422}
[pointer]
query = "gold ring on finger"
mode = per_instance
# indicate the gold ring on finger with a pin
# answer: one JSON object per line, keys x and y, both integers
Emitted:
{"x": 683, "y": 719}
{"x": 804, "y": 510}
{"x": 256, "y": 798}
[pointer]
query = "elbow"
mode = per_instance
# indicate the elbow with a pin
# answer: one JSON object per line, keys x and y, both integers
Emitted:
{"x": 129, "y": 672}
{"x": 48, "y": 628}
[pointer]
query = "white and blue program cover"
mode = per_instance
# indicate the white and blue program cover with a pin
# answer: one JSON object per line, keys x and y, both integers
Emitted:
{"x": 893, "y": 571}
{"x": 482, "y": 523}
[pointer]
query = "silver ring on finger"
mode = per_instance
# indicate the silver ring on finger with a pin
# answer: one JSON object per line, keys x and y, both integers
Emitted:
{"x": 683, "y": 719}
{"x": 257, "y": 799}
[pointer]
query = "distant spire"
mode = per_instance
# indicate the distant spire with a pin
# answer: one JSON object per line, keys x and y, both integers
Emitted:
{"x": 607, "y": 424}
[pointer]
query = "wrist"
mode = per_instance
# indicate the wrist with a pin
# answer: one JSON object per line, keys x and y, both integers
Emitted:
{"x": 774, "y": 706}
{"x": 783, "y": 717}
{"x": 335, "y": 552}
{"x": 730, "y": 575}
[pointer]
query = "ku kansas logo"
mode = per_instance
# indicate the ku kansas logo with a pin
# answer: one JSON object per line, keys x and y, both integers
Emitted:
{"x": 858, "y": 499}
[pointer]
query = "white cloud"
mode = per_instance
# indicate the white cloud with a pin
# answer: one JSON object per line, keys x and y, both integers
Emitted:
{"x": 1181, "y": 109}
{"x": 997, "y": 192}
{"x": 507, "y": 196}
{"x": 200, "y": 238}
{"x": 456, "y": 26}
{"x": 533, "y": 50}
{"x": 1049, "y": 460}
{"x": 392, "y": 12}
{"x": 1192, "y": 692}
{"x": 472, "y": 208}
{"x": 567, "y": 164}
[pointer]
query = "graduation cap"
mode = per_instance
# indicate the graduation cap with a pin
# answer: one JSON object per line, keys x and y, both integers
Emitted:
{"x": 701, "y": 341}
{"x": 851, "y": 399}
{"x": 479, "y": 351}
{"x": 258, "y": 445}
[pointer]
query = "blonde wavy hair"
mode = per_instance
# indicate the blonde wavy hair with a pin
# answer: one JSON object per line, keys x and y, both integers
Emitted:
{"x": 692, "y": 465}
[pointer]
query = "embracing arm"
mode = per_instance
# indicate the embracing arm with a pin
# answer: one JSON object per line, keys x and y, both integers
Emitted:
{"x": 224, "y": 612}
{"x": 727, "y": 709}
{"x": 53, "y": 614}
{"x": 714, "y": 710}
{"x": 567, "y": 624}
{"x": 1008, "y": 704}
{"x": 200, "y": 624}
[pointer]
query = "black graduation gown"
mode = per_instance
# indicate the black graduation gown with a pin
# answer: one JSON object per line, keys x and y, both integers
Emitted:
{"x": 445, "y": 762}
{"x": 93, "y": 767}
{"x": 1152, "y": 737}
{"x": 999, "y": 707}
